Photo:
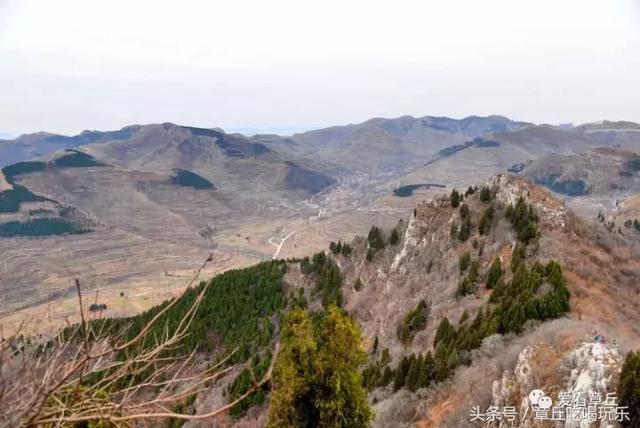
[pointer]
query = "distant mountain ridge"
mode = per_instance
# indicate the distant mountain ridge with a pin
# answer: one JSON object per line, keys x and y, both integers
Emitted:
{"x": 393, "y": 144}
{"x": 398, "y": 138}
{"x": 377, "y": 155}
{"x": 403, "y": 130}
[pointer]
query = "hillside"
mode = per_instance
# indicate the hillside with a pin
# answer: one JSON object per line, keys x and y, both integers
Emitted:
{"x": 543, "y": 145}
{"x": 475, "y": 299}
{"x": 417, "y": 280}
{"x": 592, "y": 182}
{"x": 389, "y": 145}
{"x": 603, "y": 298}
{"x": 43, "y": 143}
{"x": 131, "y": 209}
{"x": 133, "y": 202}
{"x": 128, "y": 196}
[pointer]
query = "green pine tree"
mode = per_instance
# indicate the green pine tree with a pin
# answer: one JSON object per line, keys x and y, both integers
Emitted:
{"x": 464, "y": 261}
{"x": 455, "y": 198}
{"x": 316, "y": 379}
{"x": 494, "y": 274}
{"x": 629, "y": 388}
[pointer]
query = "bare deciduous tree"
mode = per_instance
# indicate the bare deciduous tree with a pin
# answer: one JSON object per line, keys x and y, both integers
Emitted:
{"x": 82, "y": 376}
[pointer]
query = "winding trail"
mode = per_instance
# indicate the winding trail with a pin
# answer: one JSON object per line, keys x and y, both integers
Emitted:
{"x": 279, "y": 246}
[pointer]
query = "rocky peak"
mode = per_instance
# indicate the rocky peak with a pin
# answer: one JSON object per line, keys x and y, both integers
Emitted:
{"x": 509, "y": 189}
{"x": 589, "y": 369}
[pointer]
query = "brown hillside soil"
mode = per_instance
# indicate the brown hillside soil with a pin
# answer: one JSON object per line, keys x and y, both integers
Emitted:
{"x": 450, "y": 401}
{"x": 602, "y": 270}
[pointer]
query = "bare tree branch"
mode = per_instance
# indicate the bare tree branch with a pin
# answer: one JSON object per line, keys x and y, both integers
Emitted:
{"x": 49, "y": 386}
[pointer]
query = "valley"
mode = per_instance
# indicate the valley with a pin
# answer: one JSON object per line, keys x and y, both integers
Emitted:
{"x": 320, "y": 215}
{"x": 259, "y": 197}
{"x": 459, "y": 278}
{"x": 461, "y": 299}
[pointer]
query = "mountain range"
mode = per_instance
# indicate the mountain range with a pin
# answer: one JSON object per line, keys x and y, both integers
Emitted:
{"x": 132, "y": 192}
{"x": 472, "y": 300}
{"x": 477, "y": 259}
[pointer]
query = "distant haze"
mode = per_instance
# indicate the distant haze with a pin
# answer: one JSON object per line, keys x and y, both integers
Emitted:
{"x": 71, "y": 65}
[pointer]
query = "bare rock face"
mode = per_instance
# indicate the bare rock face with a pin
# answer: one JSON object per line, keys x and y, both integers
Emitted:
{"x": 588, "y": 370}
{"x": 509, "y": 189}
{"x": 509, "y": 391}
{"x": 410, "y": 241}
{"x": 595, "y": 367}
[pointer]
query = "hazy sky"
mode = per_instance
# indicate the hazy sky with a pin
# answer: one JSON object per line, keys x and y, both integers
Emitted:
{"x": 69, "y": 65}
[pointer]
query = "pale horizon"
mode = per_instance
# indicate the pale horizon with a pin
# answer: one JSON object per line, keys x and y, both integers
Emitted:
{"x": 70, "y": 65}
{"x": 284, "y": 130}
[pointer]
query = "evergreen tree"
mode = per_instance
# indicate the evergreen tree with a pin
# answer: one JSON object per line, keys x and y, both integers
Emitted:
{"x": 513, "y": 304}
{"x": 358, "y": 284}
{"x": 495, "y": 272}
{"x": 318, "y": 261}
{"x": 404, "y": 334}
{"x": 523, "y": 219}
{"x": 465, "y": 229}
{"x": 305, "y": 266}
{"x": 346, "y": 249}
{"x": 371, "y": 376}
{"x": 445, "y": 332}
{"x": 413, "y": 375}
{"x": 340, "y": 398}
{"x": 401, "y": 373}
{"x": 329, "y": 283}
{"x": 427, "y": 375}
{"x": 468, "y": 284}
{"x": 508, "y": 212}
{"x": 375, "y": 238}
{"x": 394, "y": 238}
{"x": 455, "y": 198}
{"x": 294, "y": 373}
{"x": 465, "y": 287}
{"x": 387, "y": 376}
{"x": 473, "y": 271}
{"x": 517, "y": 258}
{"x": 385, "y": 358}
{"x": 316, "y": 381}
{"x": 414, "y": 321}
{"x": 463, "y": 261}
{"x": 464, "y": 317}
{"x": 370, "y": 254}
{"x": 446, "y": 360}
{"x": 485, "y": 220}
{"x": 629, "y": 388}
{"x": 485, "y": 194}
{"x": 464, "y": 211}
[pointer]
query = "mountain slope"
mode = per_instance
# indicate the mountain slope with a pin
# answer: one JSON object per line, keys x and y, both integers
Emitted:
{"x": 592, "y": 182}
{"x": 233, "y": 161}
{"x": 41, "y": 144}
{"x": 513, "y": 151}
{"x": 390, "y": 145}
{"x": 601, "y": 275}
{"x": 529, "y": 309}
{"x": 145, "y": 223}
{"x": 601, "y": 172}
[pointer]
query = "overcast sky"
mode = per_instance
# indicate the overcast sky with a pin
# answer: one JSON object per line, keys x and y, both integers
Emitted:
{"x": 69, "y": 65}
